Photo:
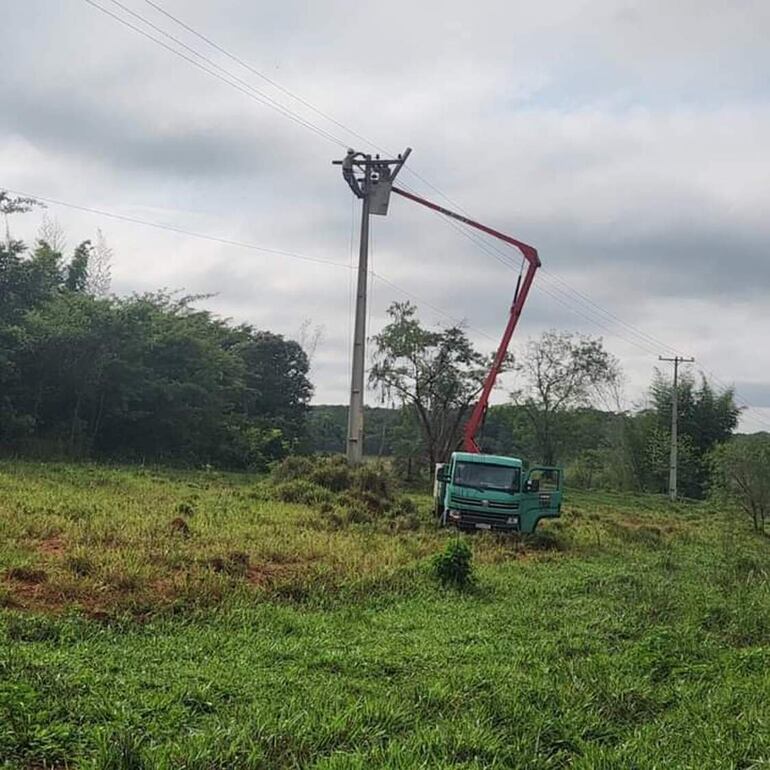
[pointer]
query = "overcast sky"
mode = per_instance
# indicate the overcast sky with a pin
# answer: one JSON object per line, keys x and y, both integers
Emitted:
{"x": 628, "y": 141}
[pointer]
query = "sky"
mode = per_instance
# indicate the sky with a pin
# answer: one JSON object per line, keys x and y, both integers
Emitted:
{"x": 628, "y": 141}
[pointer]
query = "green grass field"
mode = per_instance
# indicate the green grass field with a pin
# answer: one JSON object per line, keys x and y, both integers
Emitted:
{"x": 630, "y": 634}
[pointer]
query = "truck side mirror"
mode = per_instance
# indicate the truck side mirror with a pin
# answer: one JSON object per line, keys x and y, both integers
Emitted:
{"x": 443, "y": 475}
{"x": 532, "y": 485}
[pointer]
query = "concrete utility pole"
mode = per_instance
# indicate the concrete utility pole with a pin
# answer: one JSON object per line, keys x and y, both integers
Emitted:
{"x": 672, "y": 465}
{"x": 371, "y": 180}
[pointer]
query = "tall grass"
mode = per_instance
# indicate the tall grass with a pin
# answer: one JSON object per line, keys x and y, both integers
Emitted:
{"x": 630, "y": 634}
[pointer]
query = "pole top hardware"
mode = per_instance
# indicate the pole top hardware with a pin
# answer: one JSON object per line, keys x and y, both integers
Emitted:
{"x": 372, "y": 176}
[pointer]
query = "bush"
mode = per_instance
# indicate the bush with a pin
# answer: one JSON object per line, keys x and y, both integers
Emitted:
{"x": 403, "y": 506}
{"x": 292, "y": 468}
{"x": 454, "y": 565}
{"x": 333, "y": 473}
{"x": 303, "y": 492}
{"x": 375, "y": 480}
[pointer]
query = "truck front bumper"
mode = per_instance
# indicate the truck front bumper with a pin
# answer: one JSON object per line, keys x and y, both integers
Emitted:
{"x": 478, "y": 520}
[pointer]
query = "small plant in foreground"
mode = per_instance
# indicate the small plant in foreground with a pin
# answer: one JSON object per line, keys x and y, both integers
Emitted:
{"x": 80, "y": 565}
{"x": 122, "y": 751}
{"x": 180, "y": 527}
{"x": 454, "y": 565}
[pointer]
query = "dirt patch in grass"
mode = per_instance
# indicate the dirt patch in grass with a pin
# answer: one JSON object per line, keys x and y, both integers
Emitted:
{"x": 41, "y": 597}
{"x": 267, "y": 574}
{"x": 27, "y": 575}
{"x": 53, "y": 546}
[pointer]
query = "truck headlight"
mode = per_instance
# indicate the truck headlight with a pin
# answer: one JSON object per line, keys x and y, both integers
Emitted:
{"x": 513, "y": 520}
{"x": 455, "y": 515}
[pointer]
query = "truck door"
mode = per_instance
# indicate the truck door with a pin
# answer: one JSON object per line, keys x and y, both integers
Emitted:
{"x": 543, "y": 492}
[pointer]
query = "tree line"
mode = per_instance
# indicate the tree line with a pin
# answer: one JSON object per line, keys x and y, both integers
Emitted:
{"x": 145, "y": 377}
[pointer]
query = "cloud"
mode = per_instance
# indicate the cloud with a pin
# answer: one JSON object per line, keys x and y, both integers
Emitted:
{"x": 627, "y": 141}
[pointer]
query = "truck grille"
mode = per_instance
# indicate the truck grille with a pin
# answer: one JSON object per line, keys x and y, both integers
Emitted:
{"x": 468, "y": 504}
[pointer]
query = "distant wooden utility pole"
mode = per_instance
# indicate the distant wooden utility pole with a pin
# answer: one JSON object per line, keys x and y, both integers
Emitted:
{"x": 676, "y": 360}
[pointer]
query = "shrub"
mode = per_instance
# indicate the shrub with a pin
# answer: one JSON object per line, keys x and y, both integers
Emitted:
{"x": 454, "y": 565}
{"x": 301, "y": 491}
{"x": 292, "y": 468}
{"x": 185, "y": 508}
{"x": 333, "y": 473}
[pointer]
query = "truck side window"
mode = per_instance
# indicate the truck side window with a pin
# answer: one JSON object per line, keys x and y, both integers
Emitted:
{"x": 549, "y": 479}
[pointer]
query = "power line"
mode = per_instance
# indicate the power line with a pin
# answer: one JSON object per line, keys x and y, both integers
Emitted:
{"x": 275, "y": 84}
{"x": 245, "y": 245}
{"x": 182, "y": 231}
{"x": 649, "y": 343}
{"x": 247, "y": 89}
{"x": 255, "y": 71}
{"x": 587, "y": 300}
{"x": 584, "y": 307}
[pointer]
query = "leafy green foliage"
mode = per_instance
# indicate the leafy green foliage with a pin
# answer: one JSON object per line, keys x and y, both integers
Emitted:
{"x": 562, "y": 371}
{"x": 146, "y": 377}
{"x": 436, "y": 375}
{"x": 706, "y": 419}
{"x": 365, "y": 494}
{"x": 301, "y": 491}
{"x": 740, "y": 474}
{"x": 454, "y": 565}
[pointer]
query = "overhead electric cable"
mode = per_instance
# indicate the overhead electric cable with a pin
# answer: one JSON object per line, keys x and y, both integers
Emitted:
{"x": 243, "y": 245}
{"x": 248, "y": 90}
{"x": 243, "y": 63}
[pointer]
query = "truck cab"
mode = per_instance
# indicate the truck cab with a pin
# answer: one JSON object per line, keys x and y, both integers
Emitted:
{"x": 489, "y": 492}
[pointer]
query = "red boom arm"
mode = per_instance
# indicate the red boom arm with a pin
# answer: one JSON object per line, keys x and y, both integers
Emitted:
{"x": 520, "y": 297}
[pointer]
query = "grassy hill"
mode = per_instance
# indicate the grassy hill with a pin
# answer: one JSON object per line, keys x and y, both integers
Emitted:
{"x": 186, "y": 620}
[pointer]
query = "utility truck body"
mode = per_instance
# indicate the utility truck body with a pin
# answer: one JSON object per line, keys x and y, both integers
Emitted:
{"x": 490, "y": 492}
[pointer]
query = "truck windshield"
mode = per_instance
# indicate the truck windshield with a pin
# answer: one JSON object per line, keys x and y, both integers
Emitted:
{"x": 502, "y": 478}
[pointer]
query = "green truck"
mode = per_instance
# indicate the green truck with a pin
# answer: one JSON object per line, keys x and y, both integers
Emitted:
{"x": 489, "y": 492}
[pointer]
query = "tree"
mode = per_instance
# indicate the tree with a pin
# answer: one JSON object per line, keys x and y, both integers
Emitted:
{"x": 99, "y": 267}
{"x": 740, "y": 473}
{"x": 52, "y": 233}
{"x": 561, "y": 371}
{"x": 77, "y": 271}
{"x": 276, "y": 387}
{"x": 706, "y": 418}
{"x": 10, "y": 204}
{"x": 435, "y": 374}
{"x": 143, "y": 377}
